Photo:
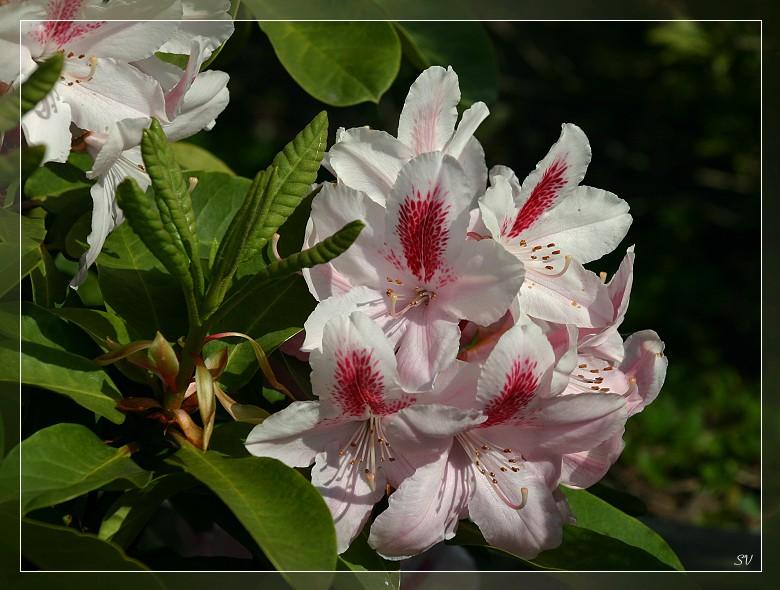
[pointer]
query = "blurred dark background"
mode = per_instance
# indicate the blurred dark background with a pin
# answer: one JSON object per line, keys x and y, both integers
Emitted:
{"x": 672, "y": 111}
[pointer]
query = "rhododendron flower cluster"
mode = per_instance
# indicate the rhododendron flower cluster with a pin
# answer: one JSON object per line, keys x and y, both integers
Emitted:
{"x": 112, "y": 84}
{"x": 464, "y": 359}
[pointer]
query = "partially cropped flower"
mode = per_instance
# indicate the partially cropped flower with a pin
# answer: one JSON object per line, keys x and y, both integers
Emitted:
{"x": 356, "y": 380}
{"x": 634, "y": 369}
{"x": 500, "y": 470}
{"x": 554, "y": 226}
{"x": 412, "y": 269}
{"x": 192, "y": 102}
{"x": 370, "y": 160}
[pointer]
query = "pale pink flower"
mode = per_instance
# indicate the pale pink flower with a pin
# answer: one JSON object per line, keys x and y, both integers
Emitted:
{"x": 412, "y": 268}
{"x": 554, "y": 226}
{"x": 500, "y": 469}
{"x": 635, "y": 370}
{"x": 344, "y": 433}
{"x": 369, "y": 160}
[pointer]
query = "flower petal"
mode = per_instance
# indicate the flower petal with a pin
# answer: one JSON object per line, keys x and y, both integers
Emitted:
{"x": 516, "y": 373}
{"x": 427, "y": 217}
{"x": 429, "y": 343}
{"x": 48, "y": 124}
{"x": 297, "y": 433}
{"x": 587, "y": 224}
{"x": 428, "y": 118}
{"x": 469, "y": 122}
{"x": 563, "y": 424}
{"x": 204, "y": 101}
{"x": 554, "y": 178}
{"x": 645, "y": 362}
{"x": 582, "y": 470}
{"x": 356, "y": 374}
{"x": 575, "y": 297}
{"x": 368, "y": 160}
{"x": 425, "y": 509}
{"x": 486, "y": 281}
{"x": 346, "y": 491}
{"x": 526, "y": 532}
{"x": 115, "y": 91}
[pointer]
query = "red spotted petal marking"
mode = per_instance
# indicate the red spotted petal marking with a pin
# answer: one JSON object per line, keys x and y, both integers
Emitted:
{"x": 60, "y": 28}
{"x": 542, "y": 197}
{"x": 519, "y": 385}
{"x": 358, "y": 384}
{"x": 424, "y": 233}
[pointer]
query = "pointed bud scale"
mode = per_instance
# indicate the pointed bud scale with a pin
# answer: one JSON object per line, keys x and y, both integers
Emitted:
{"x": 166, "y": 362}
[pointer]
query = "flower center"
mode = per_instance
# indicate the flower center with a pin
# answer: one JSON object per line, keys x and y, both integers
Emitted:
{"x": 74, "y": 72}
{"x": 545, "y": 260}
{"x": 497, "y": 465}
{"x": 401, "y": 299}
{"x": 369, "y": 449}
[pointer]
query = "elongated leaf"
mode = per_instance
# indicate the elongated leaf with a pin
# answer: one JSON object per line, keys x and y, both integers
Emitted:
{"x": 319, "y": 10}
{"x": 284, "y": 514}
{"x": 297, "y": 165}
{"x": 338, "y": 63}
{"x": 65, "y": 373}
{"x": 49, "y": 285}
{"x": 216, "y": 199}
{"x": 233, "y": 244}
{"x": 136, "y": 286}
{"x": 192, "y": 157}
{"x": 58, "y": 548}
{"x": 147, "y": 224}
{"x": 320, "y": 253}
{"x": 99, "y": 325}
{"x": 472, "y": 57}
{"x": 34, "y": 90}
{"x": 172, "y": 196}
{"x": 127, "y": 517}
{"x": 13, "y": 244}
{"x": 67, "y": 460}
{"x": 595, "y": 514}
{"x": 59, "y": 185}
{"x": 47, "y": 360}
{"x": 585, "y": 550}
{"x": 373, "y": 572}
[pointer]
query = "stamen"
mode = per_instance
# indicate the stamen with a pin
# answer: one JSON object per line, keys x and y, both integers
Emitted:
{"x": 92, "y": 61}
{"x": 475, "y": 447}
{"x": 420, "y": 295}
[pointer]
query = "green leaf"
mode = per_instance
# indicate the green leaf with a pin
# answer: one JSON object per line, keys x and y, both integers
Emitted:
{"x": 430, "y": 43}
{"x": 373, "y": 572}
{"x": 280, "y": 509}
{"x": 193, "y": 157}
{"x": 156, "y": 236}
{"x": 49, "y": 285}
{"x": 47, "y": 360}
{"x": 14, "y": 244}
{"x": 55, "y": 181}
{"x": 34, "y": 90}
{"x": 216, "y": 199}
{"x": 296, "y": 165}
{"x": 64, "y": 461}
{"x": 323, "y": 252}
{"x": 172, "y": 197}
{"x": 137, "y": 287}
{"x": 233, "y": 244}
{"x": 99, "y": 325}
{"x": 585, "y": 550}
{"x": 595, "y": 514}
{"x": 129, "y": 514}
{"x": 338, "y": 63}
{"x": 62, "y": 372}
{"x": 63, "y": 549}
{"x": 320, "y": 10}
